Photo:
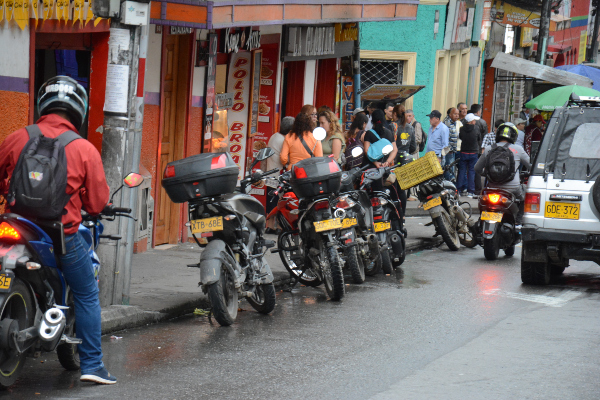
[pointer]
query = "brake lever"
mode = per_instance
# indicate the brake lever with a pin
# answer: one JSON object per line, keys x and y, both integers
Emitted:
{"x": 126, "y": 216}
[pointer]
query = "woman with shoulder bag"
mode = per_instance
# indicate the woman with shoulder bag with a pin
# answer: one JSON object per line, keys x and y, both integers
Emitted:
{"x": 300, "y": 144}
{"x": 354, "y": 139}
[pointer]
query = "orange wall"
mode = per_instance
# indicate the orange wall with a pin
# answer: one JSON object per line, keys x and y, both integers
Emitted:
{"x": 194, "y": 138}
{"x": 14, "y": 109}
{"x": 150, "y": 139}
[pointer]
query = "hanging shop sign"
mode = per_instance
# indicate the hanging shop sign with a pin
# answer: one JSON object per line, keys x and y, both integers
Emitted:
{"x": 346, "y": 32}
{"x": 20, "y": 11}
{"x": 314, "y": 43}
{"x": 180, "y": 30}
{"x": 236, "y": 39}
{"x": 582, "y": 49}
{"x": 209, "y": 98}
{"x": 526, "y": 37}
{"x": 508, "y": 14}
{"x": 238, "y": 83}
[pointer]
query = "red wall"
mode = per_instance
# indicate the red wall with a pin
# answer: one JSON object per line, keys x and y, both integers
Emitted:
{"x": 294, "y": 88}
{"x": 326, "y": 83}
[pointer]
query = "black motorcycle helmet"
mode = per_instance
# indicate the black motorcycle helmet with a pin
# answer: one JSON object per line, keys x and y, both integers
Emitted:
{"x": 507, "y": 131}
{"x": 63, "y": 93}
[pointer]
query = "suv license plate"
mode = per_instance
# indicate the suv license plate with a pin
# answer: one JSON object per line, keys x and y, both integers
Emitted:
{"x": 561, "y": 210}
{"x": 382, "y": 226}
{"x": 432, "y": 203}
{"x": 490, "y": 216}
{"x": 207, "y": 225}
{"x": 327, "y": 225}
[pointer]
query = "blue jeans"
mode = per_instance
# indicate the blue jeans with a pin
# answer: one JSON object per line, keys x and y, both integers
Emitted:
{"x": 449, "y": 175}
{"x": 466, "y": 172}
{"x": 77, "y": 269}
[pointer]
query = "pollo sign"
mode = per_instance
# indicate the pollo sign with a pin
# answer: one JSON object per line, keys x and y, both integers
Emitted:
{"x": 237, "y": 117}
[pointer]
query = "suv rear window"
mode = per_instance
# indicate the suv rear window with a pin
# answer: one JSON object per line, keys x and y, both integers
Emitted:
{"x": 586, "y": 142}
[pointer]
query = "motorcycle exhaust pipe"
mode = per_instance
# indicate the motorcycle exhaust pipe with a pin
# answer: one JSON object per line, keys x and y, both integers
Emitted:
{"x": 373, "y": 244}
{"x": 396, "y": 243}
{"x": 460, "y": 214}
{"x": 51, "y": 328}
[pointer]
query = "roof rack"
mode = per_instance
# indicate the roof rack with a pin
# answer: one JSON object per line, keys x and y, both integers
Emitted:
{"x": 576, "y": 99}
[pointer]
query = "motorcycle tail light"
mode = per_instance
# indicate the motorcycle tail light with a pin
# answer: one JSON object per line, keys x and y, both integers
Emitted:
{"x": 494, "y": 198}
{"x": 169, "y": 172}
{"x": 378, "y": 217}
{"x": 219, "y": 162}
{"x": 375, "y": 202}
{"x": 532, "y": 202}
{"x": 8, "y": 232}
{"x": 345, "y": 202}
{"x": 300, "y": 173}
{"x": 321, "y": 205}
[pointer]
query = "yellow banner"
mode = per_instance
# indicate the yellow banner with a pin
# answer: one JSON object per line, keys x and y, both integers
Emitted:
{"x": 78, "y": 11}
{"x": 21, "y": 12}
{"x": 9, "y": 9}
{"x": 48, "y": 9}
{"x": 1, "y": 10}
{"x": 526, "y": 37}
{"x": 507, "y": 14}
{"x": 62, "y": 10}
{"x": 35, "y": 11}
{"x": 89, "y": 15}
{"x": 582, "y": 47}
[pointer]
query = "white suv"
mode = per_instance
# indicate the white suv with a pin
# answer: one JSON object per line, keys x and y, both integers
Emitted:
{"x": 562, "y": 202}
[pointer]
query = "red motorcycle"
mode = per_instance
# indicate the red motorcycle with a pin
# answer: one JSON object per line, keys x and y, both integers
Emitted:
{"x": 289, "y": 243}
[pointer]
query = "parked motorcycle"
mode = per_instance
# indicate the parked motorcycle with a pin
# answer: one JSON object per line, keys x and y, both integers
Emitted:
{"x": 451, "y": 218}
{"x": 229, "y": 225}
{"x": 357, "y": 239}
{"x": 37, "y": 311}
{"x": 315, "y": 181}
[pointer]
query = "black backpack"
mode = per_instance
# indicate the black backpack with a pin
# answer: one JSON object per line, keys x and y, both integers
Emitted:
{"x": 423, "y": 137}
{"x": 38, "y": 186}
{"x": 500, "y": 164}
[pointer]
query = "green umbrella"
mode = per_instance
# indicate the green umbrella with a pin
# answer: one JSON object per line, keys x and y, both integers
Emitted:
{"x": 557, "y": 97}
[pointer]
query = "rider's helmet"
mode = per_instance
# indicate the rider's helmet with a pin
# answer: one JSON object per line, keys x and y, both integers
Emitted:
{"x": 63, "y": 93}
{"x": 507, "y": 131}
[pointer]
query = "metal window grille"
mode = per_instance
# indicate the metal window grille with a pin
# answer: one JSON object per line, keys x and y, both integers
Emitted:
{"x": 382, "y": 72}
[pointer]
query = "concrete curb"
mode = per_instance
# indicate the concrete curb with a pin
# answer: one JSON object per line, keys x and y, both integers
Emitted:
{"x": 119, "y": 317}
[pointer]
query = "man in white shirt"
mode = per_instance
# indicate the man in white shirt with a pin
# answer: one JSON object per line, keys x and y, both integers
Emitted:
{"x": 520, "y": 124}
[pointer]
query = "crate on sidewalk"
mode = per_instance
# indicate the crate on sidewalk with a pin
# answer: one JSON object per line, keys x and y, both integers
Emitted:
{"x": 418, "y": 171}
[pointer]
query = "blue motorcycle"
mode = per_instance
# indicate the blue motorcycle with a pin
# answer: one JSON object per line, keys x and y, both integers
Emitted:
{"x": 36, "y": 305}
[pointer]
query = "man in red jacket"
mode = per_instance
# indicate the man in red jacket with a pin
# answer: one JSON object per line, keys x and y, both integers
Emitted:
{"x": 62, "y": 105}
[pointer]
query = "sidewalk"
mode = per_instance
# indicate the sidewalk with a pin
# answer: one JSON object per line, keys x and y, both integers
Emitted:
{"x": 163, "y": 287}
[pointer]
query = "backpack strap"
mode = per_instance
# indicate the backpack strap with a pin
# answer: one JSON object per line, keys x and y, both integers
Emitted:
{"x": 67, "y": 137}
{"x": 34, "y": 131}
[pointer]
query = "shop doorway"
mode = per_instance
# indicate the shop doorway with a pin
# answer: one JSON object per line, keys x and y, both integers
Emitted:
{"x": 176, "y": 62}
{"x": 292, "y": 88}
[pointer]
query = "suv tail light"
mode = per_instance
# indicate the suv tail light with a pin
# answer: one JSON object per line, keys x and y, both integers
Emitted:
{"x": 532, "y": 202}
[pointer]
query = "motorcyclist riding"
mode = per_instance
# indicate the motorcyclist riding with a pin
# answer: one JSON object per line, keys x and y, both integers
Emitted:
{"x": 506, "y": 135}
{"x": 62, "y": 105}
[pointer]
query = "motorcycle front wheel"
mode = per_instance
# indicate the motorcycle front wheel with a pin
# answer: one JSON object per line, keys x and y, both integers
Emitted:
{"x": 449, "y": 234}
{"x": 333, "y": 277}
{"x": 263, "y": 299}
{"x": 223, "y": 297}
{"x": 16, "y": 313}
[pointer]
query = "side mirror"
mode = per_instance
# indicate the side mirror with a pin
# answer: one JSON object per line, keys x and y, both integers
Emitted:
{"x": 265, "y": 153}
{"x": 133, "y": 180}
{"x": 357, "y": 151}
{"x": 319, "y": 133}
{"x": 387, "y": 149}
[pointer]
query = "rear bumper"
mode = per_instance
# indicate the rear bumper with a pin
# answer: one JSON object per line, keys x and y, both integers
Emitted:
{"x": 540, "y": 243}
{"x": 533, "y": 233}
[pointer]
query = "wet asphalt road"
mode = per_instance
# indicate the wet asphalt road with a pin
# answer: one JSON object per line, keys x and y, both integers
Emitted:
{"x": 450, "y": 326}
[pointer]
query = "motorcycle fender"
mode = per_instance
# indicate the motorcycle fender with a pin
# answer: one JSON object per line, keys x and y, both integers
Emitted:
{"x": 489, "y": 227}
{"x": 382, "y": 238}
{"x": 435, "y": 211}
{"x": 329, "y": 238}
{"x": 268, "y": 278}
{"x": 213, "y": 257}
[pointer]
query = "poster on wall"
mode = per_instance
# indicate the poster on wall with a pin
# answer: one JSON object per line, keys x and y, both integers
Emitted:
{"x": 238, "y": 83}
{"x": 209, "y": 98}
{"x": 508, "y": 14}
{"x": 348, "y": 101}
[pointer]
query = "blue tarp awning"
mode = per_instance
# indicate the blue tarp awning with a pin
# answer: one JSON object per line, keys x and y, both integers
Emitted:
{"x": 584, "y": 70}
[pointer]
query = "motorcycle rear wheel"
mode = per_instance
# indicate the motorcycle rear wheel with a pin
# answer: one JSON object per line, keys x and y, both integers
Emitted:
{"x": 444, "y": 226}
{"x": 305, "y": 276}
{"x": 386, "y": 262}
{"x": 373, "y": 267}
{"x": 263, "y": 300}
{"x": 223, "y": 298}
{"x": 333, "y": 277}
{"x": 68, "y": 354}
{"x": 355, "y": 264}
{"x": 17, "y": 307}
{"x": 491, "y": 247}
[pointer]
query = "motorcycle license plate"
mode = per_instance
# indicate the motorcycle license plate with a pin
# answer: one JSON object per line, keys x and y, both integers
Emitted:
{"x": 348, "y": 222}
{"x": 432, "y": 203}
{"x": 327, "y": 225}
{"x": 382, "y": 226}
{"x": 207, "y": 225}
{"x": 561, "y": 210}
{"x": 5, "y": 282}
{"x": 490, "y": 216}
